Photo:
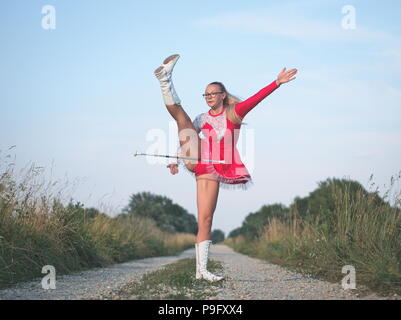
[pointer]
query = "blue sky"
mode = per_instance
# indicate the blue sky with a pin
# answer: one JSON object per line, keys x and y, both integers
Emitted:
{"x": 80, "y": 99}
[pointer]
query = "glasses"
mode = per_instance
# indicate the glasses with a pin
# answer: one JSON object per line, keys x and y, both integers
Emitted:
{"x": 211, "y": 94}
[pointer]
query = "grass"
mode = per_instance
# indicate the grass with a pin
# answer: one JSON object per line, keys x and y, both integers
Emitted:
{"x": 358, "y": 232}
{"x": 176, "y": 281}
{"x": 37, "y": 229}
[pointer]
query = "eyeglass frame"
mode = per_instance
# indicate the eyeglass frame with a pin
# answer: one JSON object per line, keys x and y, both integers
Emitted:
{"x": 211, "y": 94}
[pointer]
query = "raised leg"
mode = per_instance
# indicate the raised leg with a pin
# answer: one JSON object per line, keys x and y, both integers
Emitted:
{"x": 188, "y": 137}
{"x": 190, "y": 142}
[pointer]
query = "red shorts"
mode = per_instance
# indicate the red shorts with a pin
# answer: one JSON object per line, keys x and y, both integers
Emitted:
{"x": 203, "y": 168}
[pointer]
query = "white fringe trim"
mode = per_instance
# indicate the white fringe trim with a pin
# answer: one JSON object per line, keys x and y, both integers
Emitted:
{"x": 224, "y": 182}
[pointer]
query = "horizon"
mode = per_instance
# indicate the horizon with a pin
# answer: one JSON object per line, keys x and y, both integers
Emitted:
{"x": 79, "y": 96}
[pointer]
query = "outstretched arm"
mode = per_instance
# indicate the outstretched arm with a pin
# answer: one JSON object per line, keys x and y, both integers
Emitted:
{"x": 242, "y": 108}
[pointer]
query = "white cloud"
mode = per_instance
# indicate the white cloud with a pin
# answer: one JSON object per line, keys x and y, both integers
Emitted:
{"x": 285, "y": 24}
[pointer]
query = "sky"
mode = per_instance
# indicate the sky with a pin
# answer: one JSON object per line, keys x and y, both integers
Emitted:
{"x": 78, "y": 94}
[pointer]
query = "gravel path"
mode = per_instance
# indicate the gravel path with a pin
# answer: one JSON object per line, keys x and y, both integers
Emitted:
{"x": 246, "y": 278}
{"x": 99, "y": 283}
{"x": 253, "y": 279}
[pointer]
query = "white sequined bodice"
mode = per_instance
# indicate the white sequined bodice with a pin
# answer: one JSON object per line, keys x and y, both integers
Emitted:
{"x": 218, "y": 123}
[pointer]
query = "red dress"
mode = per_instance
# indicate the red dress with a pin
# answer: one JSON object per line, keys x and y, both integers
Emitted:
{"x": 219, "y": 138}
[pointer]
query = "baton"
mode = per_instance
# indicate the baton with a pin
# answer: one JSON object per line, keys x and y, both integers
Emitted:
{"x": 175, "y": 157}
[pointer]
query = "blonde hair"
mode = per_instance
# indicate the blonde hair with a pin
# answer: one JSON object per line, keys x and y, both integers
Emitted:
{"x": 230, "y": 100}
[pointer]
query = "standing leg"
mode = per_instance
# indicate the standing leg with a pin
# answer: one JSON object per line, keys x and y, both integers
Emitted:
{"x": 207, "y": 194}
{"x": 188, "y": 137}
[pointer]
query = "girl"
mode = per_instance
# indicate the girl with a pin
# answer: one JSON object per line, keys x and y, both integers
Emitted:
{"x": 220, "y": 127}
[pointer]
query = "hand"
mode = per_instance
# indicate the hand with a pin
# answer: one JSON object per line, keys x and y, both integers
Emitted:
{"x": 286, "y": 76}
{"x": 173, "y": 168}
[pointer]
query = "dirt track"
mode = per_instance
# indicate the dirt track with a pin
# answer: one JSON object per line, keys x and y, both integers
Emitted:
{"x": 245, "y": 278}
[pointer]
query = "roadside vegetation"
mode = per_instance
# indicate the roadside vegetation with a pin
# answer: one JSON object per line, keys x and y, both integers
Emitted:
{"x": 338, "y": 224}
{"x": 37, "y": 228}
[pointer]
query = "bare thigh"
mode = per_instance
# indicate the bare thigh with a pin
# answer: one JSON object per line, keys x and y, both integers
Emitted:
{"x": 190, "y": 142}
{"x": 207, "y": 195}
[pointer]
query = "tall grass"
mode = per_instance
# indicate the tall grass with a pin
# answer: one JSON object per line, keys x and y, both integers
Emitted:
{"x": 37, "y": 229}
{"x": 359, "y": 231}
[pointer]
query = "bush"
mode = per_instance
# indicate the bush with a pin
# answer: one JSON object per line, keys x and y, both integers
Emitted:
{"x": 169, "y": 217}
{"x": 36, "y": 229}
{"x": 339, "y": 224}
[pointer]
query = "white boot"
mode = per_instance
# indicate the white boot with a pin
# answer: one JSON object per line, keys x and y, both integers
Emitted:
{"x": 198, "y": 275}
{"x": 163, "y": 73}
{"x": 203, "y": 253}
